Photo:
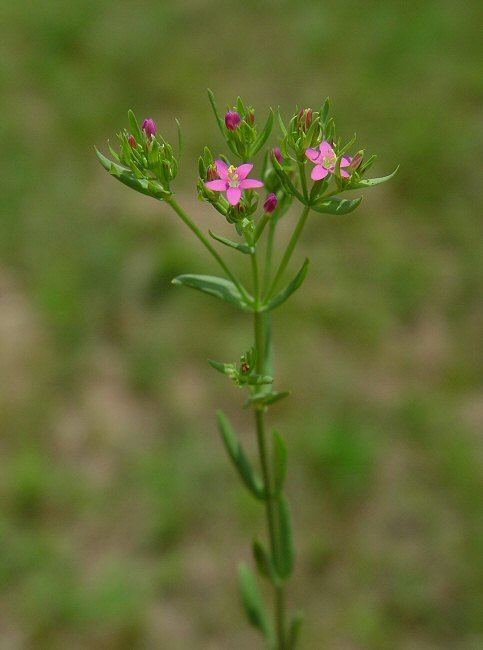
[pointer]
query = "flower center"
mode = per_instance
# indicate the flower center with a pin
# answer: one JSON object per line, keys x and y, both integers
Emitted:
{"x": 233, "y": 179}
{"x": 328, "y": 161}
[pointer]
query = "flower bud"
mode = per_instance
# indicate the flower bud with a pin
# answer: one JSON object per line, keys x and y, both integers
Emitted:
{"x": 149, "y": 127}
{"x": 132, "y": 141}
{"x": 270, "y": 203}
{"x": 211, "y": 173}
{"x": 305, "y": 118}
{"x": 356, "y": 161}
{"x": 277, "y": 154}
{"x": 250, "y": 117}
{"x": 232, "y": 120}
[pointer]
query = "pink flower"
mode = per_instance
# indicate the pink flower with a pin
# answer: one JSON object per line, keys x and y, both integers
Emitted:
{"x": 325, "y": 161}
{"x": 149, "y": 127}
{"x": 233, "y": 180}
{"x": 232, "y": 120}
{"x": 270, "y": 203}
{"x": 278, "y": 154}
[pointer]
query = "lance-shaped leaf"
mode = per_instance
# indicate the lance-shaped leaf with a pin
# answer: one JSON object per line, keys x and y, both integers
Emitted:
{"x": 213, "y": 286}
{"x": 294, "y": 631}
{"x": 219, "y": 121}
{"x": 286, "y": 181}
{"x": 243, "y": 248}
{"x": 264, "y": 134}
{"x": 149, "y": 187}
{"x": 134, "y": 126}
{"x": 289, "y": 289}
{"x": 264, "y": 399}
{"x": 334, "y": 205}
{"x": 252, "y": 602}
{"x": 238, "y": 457}
{"x": 264, "y": 562}
{"x": 286, "y": 556}
{"x": 279, "y": 463}
{"x": 370, "y": 182}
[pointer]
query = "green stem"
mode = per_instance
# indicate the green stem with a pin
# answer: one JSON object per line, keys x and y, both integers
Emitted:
{"x": 289, "y": 250}
{"x": 269, "y": 254}
{"x": 207, "y": 244}
{"x": 270, "y": 503}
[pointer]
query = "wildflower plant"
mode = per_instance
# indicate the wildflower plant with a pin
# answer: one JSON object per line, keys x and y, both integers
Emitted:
{"x": 311, "y": 166}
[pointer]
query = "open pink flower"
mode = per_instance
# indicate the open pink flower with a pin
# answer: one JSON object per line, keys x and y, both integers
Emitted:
{"x": 325, "y": 161}
{"x": 233, "y": 180}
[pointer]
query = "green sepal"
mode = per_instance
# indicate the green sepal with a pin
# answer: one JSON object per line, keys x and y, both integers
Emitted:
{"x": 134, "y": 126}
{"x": 294, "y": 631}
{"x": 180, "y": 137}
{"x": 286, "y": 557}
{"x": 264, "y": 134}
{"x": 264, "y": 399}
{"x": 370, "y": 182}
{"x": 149, "y": 187}
{"x": 220, "y": 122}
{"x": 238, "y": 457}
{"x": 243, "y": 248}
{"x": 280, "y": 298}
{"x": 279, "y": 463}
{"x": 252, "y": 602}
{"x": 264, "y": 562}
{"x": 225, "y": 368}
{"x": 336, "y": 206}
{"x": 213, "y": 286}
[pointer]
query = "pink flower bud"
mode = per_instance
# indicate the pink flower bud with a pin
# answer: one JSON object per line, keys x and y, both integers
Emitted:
{"x": 211, "y": 173}
{"x": 270, "y": 203}
{"x": 305, "y": 118}
{"x": 232, "y": 120}
{"x": 250, "y": 117}
{"x": 132, "y": 141}
{"x": 278, "y": 154}
{"x": 149, "y": 127}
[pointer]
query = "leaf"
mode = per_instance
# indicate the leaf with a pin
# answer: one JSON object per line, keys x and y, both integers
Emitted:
{"x": 238, "y": 457}
{"x": 244, "y": 248}
{"x": 280, "y": 298}
{"x": 180, "y": 138}
{"x": 220, "y": 122}
{"x": 285, "y": 180}
{"x": 336, "y": 206}
{"x": 264, "y": 562}
{"x": 225, "y": 368}
{"x": 279, "y": 462}
{"x": 252, "y": 601}
{"x": 283, "y": 128}
{"x": 213, "y": 286}
{"x": 370, "y": 182}
{"x": 286, "y": 555}
{"x": 134, "y": 126}
{"x": 265, "y": 399}
{"x": 264, "y": 134}
{"x": 294, "y": 631}
{"x": 150, "y": 188}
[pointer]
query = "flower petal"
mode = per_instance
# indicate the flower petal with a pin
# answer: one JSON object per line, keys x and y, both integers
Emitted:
{"x": 326, "y": 150}
{"x": 222, "y": 169}
{"x": 233, "y": 194}
{"x": 344, "y": 174}
{"x": 345, "y": 162}
{"x": 318, "y": 173}
{"x": 244, "y": 170}
{"x": 312, "y": 154}
{"x": 218, "y": 185}
{"x": 250, "y": 184}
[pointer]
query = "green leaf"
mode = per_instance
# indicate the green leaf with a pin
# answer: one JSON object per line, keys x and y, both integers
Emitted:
{"x": 252, "y": 601}
{"x": 134, "y": 126}
{"x": 370, "y": 182}
{"x": 283, "y": 128}
{"x": 264, "y": 562}
{"x": 294, "y": 631}
{"x": 213, "y": 286}
{"x": 244, "y": 248}
{"x": 264, "y": 134}
{"x": 180, "y": 138}
{"x": 336, "y": 206}
{"x": 286, "y": 556}
{"x": 265, "y": 399}
{"x": 238, "y": 457}
{"x": 280, "y": 298}
{"x": 220, "y": 122}
{"x": 150, "y": 188}
{"x": 285, "y": 180}
{"x": 225, "y": 368}
{"x": 279, "y": 462}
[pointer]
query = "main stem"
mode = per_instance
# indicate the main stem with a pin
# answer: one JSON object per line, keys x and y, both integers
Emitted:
{"x": 260, "y": 343}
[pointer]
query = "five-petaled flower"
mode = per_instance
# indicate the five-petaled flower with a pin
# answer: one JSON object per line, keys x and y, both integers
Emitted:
{"x": 325, "y": 160}
{"x": 233, "y": 180}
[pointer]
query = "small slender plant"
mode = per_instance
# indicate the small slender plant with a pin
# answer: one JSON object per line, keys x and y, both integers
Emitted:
{"x": 147, "y": 163}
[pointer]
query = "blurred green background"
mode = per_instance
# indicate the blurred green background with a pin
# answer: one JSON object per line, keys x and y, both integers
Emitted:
{"x": 122, "y": 522}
